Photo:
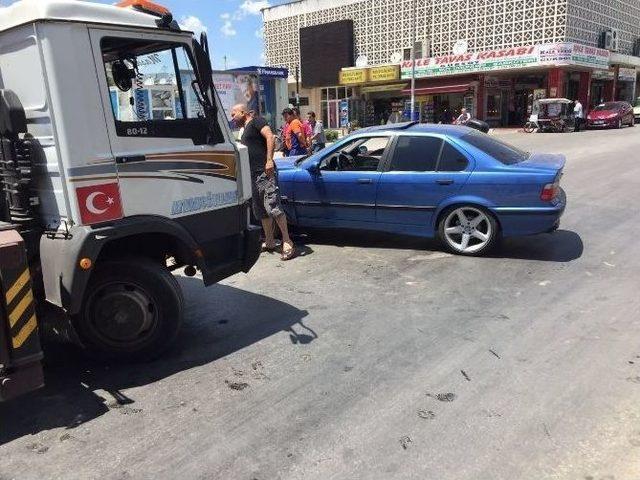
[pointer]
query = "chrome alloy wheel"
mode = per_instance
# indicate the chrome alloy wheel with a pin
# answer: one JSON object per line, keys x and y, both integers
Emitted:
{"x": 468, "y": 230}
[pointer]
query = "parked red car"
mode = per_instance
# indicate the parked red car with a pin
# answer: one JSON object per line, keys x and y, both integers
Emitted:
{"x": 611, "y": 114}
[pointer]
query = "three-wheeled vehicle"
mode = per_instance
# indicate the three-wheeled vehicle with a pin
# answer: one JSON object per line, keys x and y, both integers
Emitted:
{"x": 554, "y": 114}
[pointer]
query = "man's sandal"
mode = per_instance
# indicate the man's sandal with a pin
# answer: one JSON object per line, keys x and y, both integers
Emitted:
{"x": 266, "y": 248}
{"x": 288, "y": 254}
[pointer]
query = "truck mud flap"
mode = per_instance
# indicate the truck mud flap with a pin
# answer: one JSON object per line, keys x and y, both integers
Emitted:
{"x": 20, "y": 352}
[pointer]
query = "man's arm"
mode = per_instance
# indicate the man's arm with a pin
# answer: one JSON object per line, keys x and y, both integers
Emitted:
{"x": 270, "y": 138}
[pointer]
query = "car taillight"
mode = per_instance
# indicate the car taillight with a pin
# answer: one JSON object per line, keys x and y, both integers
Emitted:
{"x": 550, "y": 191}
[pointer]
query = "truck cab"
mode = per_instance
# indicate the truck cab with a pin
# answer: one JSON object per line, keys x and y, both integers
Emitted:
{"x": 117, "y": 168}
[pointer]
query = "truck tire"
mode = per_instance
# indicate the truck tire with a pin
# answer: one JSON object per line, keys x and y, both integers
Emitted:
{"x": 132, "y": 311}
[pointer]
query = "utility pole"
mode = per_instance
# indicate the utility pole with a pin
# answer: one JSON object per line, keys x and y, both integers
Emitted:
{"x": 413, "y": 62}
{"x": 225, "y": 61}
{"x": 297, "y": 86}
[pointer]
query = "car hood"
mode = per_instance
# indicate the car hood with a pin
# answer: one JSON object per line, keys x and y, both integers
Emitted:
{"x": 602, "y": 114}
{"x": 287, "y": 163}
{"x": 544, "y": 161}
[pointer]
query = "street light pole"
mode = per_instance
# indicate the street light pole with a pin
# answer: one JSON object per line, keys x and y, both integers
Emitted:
{"x": 413, "y": 62}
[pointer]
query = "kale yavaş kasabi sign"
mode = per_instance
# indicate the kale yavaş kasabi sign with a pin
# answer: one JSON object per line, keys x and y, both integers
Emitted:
{"x": 509, "y": 58}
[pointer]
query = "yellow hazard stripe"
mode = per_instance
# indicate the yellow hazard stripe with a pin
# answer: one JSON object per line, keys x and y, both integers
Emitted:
{"x": 24, "y": 333}
{"x": 17, "y": 286}
{"x": 17, "y": 312}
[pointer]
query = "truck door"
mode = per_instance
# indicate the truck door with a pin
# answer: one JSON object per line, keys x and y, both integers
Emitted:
{"x": 163, "y": 165}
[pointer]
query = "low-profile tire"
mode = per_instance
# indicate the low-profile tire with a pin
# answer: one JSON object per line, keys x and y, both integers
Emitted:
{"x": 132, "y": 311}
{"x": 468, "y": 230}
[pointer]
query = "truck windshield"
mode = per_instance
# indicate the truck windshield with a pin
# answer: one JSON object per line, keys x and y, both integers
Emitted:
{"x": 149, "y": 80}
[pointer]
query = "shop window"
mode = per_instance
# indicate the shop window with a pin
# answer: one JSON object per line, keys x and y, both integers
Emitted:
{"x": 325, "y": 94}
{"x": 332, "y": 93}
{"x": 416, "y": 154}
{"x": 451, "y": 159}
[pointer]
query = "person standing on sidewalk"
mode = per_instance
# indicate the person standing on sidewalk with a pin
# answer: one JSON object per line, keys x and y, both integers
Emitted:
{"x": 295, "y": 138}
{"x": 578, "y": 113}
{"x": 260, "y": 143}
{"x": 318, "y": 138}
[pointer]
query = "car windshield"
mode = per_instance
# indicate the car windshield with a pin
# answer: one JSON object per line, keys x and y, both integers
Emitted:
{"x": 501, "y": 151}
{"x": 637, "y": 102}
{"x": 605, "y": 106}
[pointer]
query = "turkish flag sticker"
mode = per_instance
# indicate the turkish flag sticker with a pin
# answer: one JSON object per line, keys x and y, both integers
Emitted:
{"x": 99, "y": 203}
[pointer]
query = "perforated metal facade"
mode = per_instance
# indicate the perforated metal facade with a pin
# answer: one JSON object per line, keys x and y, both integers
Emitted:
{"x": 383, "y": 27}
{"x": 587, "y": 18}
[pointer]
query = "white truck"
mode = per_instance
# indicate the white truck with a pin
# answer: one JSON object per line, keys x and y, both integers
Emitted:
{"x": 117, "y": 167}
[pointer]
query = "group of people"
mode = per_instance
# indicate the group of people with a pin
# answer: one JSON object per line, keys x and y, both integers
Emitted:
{"x": 301, "y": 137}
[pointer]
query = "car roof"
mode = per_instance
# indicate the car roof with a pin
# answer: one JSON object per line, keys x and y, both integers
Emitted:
{"x": 414, "y": 127}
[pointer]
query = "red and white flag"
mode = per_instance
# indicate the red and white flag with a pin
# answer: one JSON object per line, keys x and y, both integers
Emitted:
{"x": 99, "y": 203}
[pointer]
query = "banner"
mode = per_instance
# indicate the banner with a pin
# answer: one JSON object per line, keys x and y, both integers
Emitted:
{"x": 237, "y": 87}
{"x": 508, "y": 58}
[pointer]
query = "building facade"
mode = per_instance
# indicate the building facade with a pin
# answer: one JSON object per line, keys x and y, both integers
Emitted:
{"x": 501, "y": 92}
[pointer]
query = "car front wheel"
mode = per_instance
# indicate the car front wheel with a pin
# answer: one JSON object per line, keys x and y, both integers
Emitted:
{"x": 468, "y": 230}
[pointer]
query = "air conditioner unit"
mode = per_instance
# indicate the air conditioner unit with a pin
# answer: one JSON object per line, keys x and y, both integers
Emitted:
{"x": 609, "y": 40}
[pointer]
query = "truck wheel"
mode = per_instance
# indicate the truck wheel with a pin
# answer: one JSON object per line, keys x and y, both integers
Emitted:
{"x": 132, "y": 310}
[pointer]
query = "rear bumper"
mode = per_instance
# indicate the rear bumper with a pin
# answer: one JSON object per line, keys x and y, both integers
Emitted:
{"x": 531, "y": 221}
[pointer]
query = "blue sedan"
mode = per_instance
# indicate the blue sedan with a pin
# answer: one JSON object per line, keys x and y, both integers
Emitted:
{"x": 450, "y": 182}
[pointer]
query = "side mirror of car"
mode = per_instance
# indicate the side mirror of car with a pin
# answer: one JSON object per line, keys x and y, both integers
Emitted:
{"x": 314, "y": 169}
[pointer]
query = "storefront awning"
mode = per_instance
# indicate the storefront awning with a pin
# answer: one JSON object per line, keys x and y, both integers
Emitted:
{"x": 456, "y": 88}
{"x": 395, "y": 87}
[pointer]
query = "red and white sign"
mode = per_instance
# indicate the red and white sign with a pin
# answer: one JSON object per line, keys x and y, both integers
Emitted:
{"x": 99, "y": 203}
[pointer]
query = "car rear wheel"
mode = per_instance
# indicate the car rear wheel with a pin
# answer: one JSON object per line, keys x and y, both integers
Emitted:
{"x": 468, "y": 230}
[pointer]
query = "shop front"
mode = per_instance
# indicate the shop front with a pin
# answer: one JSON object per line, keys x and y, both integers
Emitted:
{"x": 377, "y": 95}
{"x": 500, "y": 86}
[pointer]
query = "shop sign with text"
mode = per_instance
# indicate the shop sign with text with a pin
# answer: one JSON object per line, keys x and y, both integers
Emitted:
{"x": 627, "y": 74}
{"x": 353, "y": 76}
{"x": 508, "y": 58}
{"x": 384, "y": 73}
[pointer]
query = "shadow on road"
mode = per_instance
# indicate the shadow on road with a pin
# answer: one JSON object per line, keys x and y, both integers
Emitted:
{"x": 560, "y": 246}
{"x": 219, "y": 320}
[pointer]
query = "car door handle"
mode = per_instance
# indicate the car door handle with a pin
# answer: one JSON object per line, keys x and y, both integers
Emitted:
{"x": 444, "y": 182}
{"x": 365, "y": 180}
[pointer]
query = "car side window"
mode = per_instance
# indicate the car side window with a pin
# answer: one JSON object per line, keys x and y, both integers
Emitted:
{"x": 452, "y": 159}
{"x": 416, "y": 154}
{"x": 358, "y": 155}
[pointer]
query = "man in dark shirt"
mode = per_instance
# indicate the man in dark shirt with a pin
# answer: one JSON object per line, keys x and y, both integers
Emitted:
{"x": 260, "y": 143}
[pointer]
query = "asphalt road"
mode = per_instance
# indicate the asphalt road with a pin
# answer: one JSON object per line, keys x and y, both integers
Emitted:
{"x": 376, "y": 357}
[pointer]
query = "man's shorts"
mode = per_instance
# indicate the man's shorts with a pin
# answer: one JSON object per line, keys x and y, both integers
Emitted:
{"x": 266, "y": 196}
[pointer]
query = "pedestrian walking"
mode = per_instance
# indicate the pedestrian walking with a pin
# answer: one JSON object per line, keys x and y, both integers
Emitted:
{"x": 295, "y": 138}
{"x": 266, "y": 204}
{"x": 578, "y": 113}
{"x": 318, "y": 138}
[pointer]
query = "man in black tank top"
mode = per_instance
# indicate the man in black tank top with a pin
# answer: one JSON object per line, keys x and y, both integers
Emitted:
{"x": 260, "y": 143}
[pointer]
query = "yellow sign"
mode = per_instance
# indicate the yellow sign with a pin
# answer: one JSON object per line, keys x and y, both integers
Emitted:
{"x": 384, "y": 74}
{"x": 353, "y": 76}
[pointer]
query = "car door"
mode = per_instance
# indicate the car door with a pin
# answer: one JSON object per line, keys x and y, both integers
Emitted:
{"x": 422, "y": 171}
{"x": 340, "y": 190}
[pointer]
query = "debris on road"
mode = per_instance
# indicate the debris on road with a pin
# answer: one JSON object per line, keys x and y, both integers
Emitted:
{"x": 405, "y": 441}
{"x": 443, "y": 397}
{"x": 426, "y": 414}
{"x": 464, "y": 374}
{"x": 236, "y": 385}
